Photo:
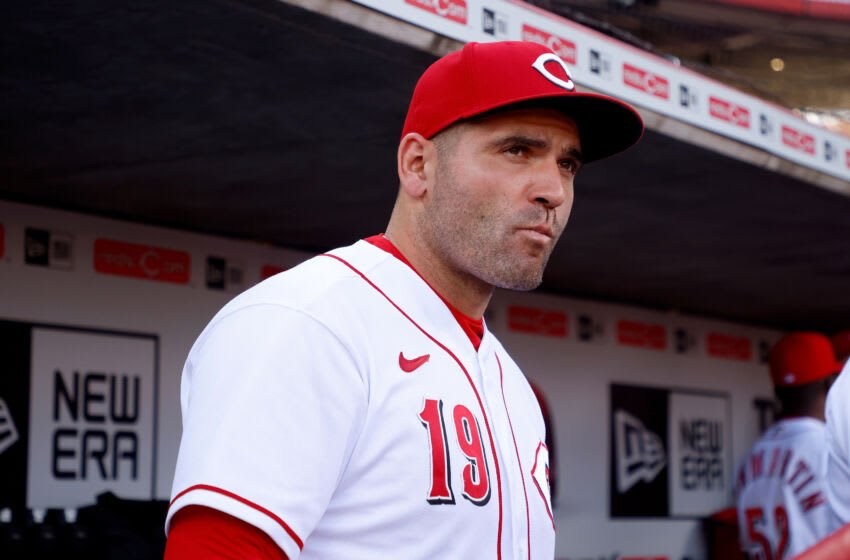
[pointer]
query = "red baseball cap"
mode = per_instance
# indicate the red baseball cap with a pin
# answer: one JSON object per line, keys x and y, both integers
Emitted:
{"x": 841, "y": 345}
{"x": 802, "y": 357}
{"x": 486, "y": 76}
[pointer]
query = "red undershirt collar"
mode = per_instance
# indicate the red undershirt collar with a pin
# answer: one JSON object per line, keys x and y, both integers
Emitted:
{"x": 474, "y": 328}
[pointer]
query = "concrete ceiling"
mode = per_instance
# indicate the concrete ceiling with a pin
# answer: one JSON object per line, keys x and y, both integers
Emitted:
{"x": 259, "y": 120}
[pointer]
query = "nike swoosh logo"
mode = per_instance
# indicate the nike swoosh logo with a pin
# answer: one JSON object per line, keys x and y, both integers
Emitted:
{"x": 410, "y": 365}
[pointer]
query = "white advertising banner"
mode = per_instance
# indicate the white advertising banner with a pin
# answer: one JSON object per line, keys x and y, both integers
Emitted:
{"x": 700, "y": 453}
{"x": 91, "y": 416}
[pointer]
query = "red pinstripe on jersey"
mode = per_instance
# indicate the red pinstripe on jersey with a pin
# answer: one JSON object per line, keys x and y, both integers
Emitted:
{"x": 248, "y": 503}
{"x": 468, "y": 378}
{"x": 519, "y": 461}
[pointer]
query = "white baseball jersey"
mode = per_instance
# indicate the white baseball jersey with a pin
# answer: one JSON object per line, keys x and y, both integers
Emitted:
{"x": 782, "y": 507}
{"x": 838, "y": 449}
{"x": 340, "y": 408}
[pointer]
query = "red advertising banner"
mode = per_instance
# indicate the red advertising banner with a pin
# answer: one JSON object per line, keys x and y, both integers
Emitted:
{"x": 141, "y": 261}
{"x": 721, "y": 345}
{"x": 797, "y": 140}
{"x": 533, "y": 320}
{"x": 646, "y": 81}
{"x": 454, "y": 10}
{"x": 564, "y": 48}
{"x": 641, "y": 335}
{"x": 729, "y": 112}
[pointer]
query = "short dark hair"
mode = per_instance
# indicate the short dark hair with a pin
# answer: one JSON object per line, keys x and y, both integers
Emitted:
{"x": 800, "y": 400}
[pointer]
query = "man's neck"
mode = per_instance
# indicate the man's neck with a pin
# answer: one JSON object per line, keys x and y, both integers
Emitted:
{"x": 464, "y": 292}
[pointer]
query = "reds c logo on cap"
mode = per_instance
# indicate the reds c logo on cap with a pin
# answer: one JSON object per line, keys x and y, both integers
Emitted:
{"x": 540, "y": 66}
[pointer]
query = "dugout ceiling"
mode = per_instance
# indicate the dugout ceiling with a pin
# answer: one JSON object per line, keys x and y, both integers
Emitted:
{"x": 259, "y": 120}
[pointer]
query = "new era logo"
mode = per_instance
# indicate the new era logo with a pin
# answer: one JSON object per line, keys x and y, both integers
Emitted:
{"x": 600, "y": 64}
{"x": 640, "y": 453}
{"x": 8, "y": 431}
{"x": 494, "y": 23}
{"x": 46, "y": 248}
{"x": 687, "y": 97}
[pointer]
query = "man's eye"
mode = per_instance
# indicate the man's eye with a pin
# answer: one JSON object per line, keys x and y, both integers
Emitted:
{"x": 570, "y": 165}
{"x": 516, "y": 150}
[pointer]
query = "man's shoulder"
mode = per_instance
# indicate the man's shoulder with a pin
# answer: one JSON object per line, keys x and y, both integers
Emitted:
{"x": 329, "y": 276}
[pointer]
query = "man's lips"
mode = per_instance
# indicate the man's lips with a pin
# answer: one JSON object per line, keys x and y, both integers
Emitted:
{"x": 541, "y": 229}
{"x": 541, "y": 233}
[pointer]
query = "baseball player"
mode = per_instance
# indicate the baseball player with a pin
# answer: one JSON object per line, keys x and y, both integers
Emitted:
{"x": 357, "y": 406}
{"x": 781, "y": 498}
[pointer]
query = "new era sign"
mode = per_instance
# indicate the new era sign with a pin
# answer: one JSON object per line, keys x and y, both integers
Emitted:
{"x": 670, "y": 452}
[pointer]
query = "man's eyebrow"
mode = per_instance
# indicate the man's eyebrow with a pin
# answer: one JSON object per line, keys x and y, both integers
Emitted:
{"x": 539, "y": 143}
{"x": 574, "y": 153}
{"x": 520, "y": 139}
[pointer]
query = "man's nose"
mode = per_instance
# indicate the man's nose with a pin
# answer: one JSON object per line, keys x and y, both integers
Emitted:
{"x": 551, "y": 187}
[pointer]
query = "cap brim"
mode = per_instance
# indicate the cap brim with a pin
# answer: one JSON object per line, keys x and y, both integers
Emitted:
{"x": 606, "y": 126}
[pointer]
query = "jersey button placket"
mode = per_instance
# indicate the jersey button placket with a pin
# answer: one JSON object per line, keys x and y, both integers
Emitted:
{"x": 513, "y": 524}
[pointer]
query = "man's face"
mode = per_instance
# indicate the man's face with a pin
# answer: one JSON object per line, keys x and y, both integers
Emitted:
{"x": 502, "y": 195}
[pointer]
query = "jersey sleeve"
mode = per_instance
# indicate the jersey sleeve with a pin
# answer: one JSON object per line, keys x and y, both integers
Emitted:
{"x": 838, "y": 449}
{"x": 273, "y": 402}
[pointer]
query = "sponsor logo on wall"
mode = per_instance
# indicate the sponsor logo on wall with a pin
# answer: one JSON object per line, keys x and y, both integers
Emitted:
{"x": 454, "y": 10}
{"x": 600, "y": 64}
{"x": 77, "y": 416}
{"x": 223, "y": 275}
{"x": 670, "y": 452}
{"x": 646, "y": 81}
{"x": 688, "y": 97}
{"x": 494, "y": 23}
{"x": 765, "y": 125}
{"x": 48, "y": 248}
{"x": 589, "y": 328}
{"x": 729, "y": 112}
{"x": 564, "y": 48}
{"x": 534, "y": 320}
{"x": 829, "y": 151}
{"x": 141, "y": 261}
{"x": 683, "y": 341}
{"x": 798, "y": 140}
{"x": 730, "y": 347}
{"x": 641, "y": 335}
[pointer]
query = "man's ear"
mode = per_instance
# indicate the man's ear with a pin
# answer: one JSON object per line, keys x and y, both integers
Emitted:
{"x": 416, "y": 160}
